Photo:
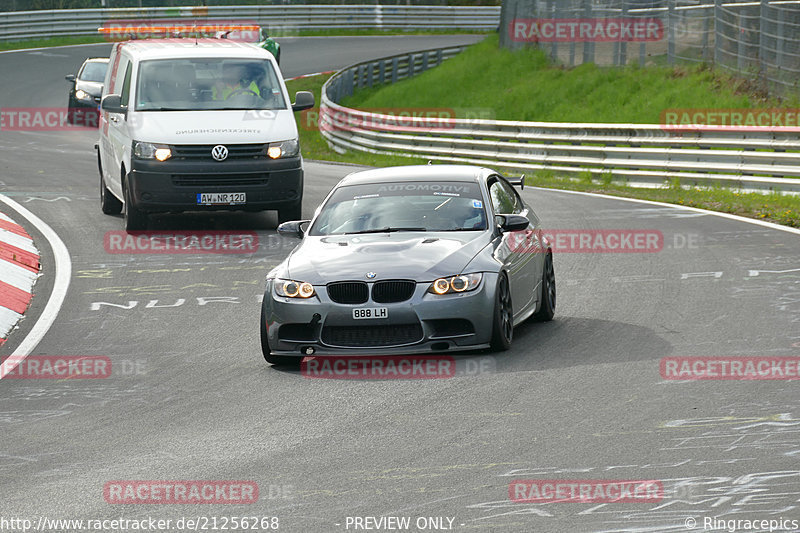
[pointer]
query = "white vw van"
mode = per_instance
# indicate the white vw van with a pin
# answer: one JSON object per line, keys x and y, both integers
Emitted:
{"x": 197, "y": 124}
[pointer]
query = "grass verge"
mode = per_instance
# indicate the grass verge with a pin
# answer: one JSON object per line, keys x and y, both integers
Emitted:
{"x": 523, "y": 85}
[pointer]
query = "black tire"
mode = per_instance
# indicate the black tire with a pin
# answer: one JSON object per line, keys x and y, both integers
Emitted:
{"x": 547, "y": 308}
{"x": 277, "y": 360}
{"x": 503, "y": 321}
{"x": 109, "y": 204}
{"x": 293, "y": 211}
{"x": 135, "y": 219}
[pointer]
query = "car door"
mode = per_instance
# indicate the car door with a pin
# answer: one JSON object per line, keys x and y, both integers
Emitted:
{"x": 529, "y": 245}
{"x": 119, "y": 135}
{"x": 113, "y": 126}
{"x": 512, "y": 250}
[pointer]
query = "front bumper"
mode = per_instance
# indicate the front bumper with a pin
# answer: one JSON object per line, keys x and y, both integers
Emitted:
{"x": 424, "y": 324}
{"x": 159, "y": 186}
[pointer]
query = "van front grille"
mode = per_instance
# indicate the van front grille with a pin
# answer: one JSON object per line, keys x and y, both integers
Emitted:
{"x": 203, "y": 151}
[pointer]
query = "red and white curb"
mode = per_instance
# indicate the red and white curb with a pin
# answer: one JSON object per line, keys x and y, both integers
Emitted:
{"x": 21, "y": 267}
{"x": 19, "y": 270}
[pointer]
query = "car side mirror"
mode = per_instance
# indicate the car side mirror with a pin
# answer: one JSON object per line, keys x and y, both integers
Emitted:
{"x": 512, "y": 222}
{"x": 293, "y": 228}
{"x": 113, "y": 104}
{"x": 70, "y": 77}
{"x": 303, "y": 100}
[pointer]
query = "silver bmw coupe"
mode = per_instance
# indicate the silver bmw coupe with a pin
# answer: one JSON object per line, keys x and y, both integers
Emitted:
{"x": 421, "y": 259}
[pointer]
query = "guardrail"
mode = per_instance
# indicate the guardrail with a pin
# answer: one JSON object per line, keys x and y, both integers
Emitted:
{"x": 15, "y": 25}
{"x": 639, "y": 153}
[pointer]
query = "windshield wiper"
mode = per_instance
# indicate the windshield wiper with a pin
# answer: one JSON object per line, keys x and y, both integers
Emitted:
{"x": 385, "y": 230}
{"x": 168, "y": 109}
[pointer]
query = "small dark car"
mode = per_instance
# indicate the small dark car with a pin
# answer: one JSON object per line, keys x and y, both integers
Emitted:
{"x": 87, "y": 86}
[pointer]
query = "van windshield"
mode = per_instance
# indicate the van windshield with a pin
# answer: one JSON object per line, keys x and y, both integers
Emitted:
{"x": 207, "y": 84}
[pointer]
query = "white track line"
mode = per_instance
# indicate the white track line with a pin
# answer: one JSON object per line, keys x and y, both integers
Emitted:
{"x": 764, "y": 223}
{"x": 63, "y": 274}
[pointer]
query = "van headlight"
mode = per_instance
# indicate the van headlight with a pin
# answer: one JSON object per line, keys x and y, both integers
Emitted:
{"x": 80, "y": 94}
{"x": 142, "y": 150}
{"x": 281, "y": 149}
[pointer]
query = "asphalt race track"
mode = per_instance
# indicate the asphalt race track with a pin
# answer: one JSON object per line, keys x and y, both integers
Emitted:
{"x": 580, "y": 398}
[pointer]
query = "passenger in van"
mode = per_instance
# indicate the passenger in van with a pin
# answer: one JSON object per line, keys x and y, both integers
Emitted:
{"x": 234, "y": 80}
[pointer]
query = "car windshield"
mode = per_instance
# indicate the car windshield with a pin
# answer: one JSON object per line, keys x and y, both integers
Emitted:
{"x": 94, "y": 71}
{"x": 208, "y": 84}
{"x": 405, "y": 206}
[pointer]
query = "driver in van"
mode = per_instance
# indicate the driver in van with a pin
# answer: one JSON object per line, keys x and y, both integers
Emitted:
{"x": 234, "y": 80}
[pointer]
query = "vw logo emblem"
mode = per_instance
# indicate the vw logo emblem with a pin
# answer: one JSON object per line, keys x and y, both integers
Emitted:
{"x": 371, "y": 275}
{"x": 219, "y": 153}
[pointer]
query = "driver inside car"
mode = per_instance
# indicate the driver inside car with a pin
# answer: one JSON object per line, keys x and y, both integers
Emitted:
{"x": 234, "y": 81}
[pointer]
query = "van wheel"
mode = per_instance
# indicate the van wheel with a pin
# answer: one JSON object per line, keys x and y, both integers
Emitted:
{"x": 134, "y": 218}
{"x": 293, "y": 211}
{"x": 109, "y": 203}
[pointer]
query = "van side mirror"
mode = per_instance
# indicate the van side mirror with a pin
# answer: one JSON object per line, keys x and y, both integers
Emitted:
{"x": 303, "y": 100}
{"x": 70, "y": 77}
{"x": 113, "y": 104}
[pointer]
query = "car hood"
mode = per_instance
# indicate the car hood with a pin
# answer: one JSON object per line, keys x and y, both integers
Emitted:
{"x": 94, "y": 88}
{"x": 214, "y": 127}
{"x": 402, "y": 255}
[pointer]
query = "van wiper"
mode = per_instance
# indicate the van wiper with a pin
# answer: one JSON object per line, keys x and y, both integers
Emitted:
{"x": 169, "y": 109}
{"x": 385, "y": 230}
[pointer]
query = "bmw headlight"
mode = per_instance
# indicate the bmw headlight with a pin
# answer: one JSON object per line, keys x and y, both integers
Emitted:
{"x": 288, "y": 148}
{"x": 142, "y": 150}
{"x": 80, "y": 94}
{"x": 455, "y": 284}
{"x": 293, "y": 289}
